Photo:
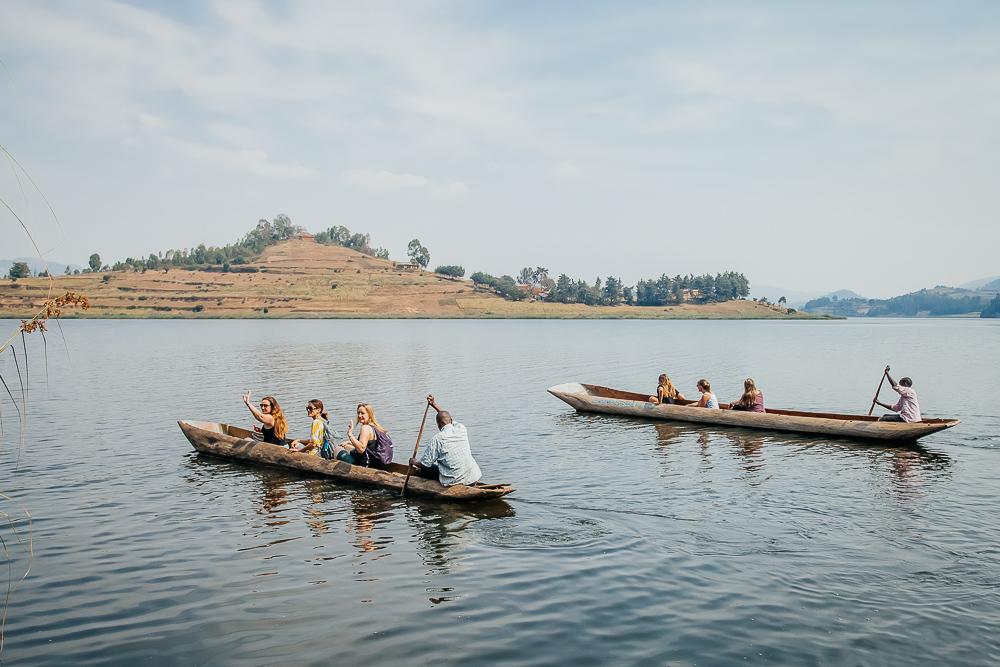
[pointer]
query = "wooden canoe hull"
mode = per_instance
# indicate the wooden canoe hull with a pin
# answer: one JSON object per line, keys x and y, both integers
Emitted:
{"x": 236, "y": 443}
{"x": 594, "y": 398}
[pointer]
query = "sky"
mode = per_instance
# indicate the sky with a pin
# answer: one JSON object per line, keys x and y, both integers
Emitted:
{"x": 813, "y": 146}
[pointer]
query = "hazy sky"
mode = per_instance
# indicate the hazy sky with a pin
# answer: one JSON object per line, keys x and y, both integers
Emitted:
{"x": 813, "y": 146}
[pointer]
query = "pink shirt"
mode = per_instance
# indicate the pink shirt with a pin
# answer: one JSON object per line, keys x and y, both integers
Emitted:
{"x": 907, "y": 405}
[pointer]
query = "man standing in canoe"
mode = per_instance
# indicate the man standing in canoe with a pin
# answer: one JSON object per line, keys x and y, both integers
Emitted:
{"x": 448, "y": 457}
{"x": 906, "y": 409}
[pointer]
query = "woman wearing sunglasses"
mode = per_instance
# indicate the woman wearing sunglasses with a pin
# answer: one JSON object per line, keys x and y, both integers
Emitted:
{"x": 318, "y": 434}
{"x": 275, "y": 426}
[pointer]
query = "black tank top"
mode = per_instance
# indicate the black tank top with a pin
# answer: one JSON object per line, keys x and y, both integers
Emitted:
{"x": 269, "y": 435}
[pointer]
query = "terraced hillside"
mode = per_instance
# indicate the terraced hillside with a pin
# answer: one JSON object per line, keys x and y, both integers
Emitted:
{"x": 301, "y": 278}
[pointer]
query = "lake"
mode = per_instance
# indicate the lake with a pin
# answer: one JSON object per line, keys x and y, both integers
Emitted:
{"x": 626, "y": 542}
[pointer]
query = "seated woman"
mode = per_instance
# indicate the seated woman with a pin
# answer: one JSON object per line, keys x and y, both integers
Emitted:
{"x": 666, "y": 392}
{"x": 752, "y": 399}
{"x": 317, "y": 434}
{"x": 372, "y": 448}
{"x": 708, "y": 399}
{"x": 275, "y": 426}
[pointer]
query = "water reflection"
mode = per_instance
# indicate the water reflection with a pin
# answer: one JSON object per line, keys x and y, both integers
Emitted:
{"x": 369, "y": 509}
{"x": 749, "y": 448}
{"x": 439, "y": 528}
{"x": 907, "y": 467}
{"x": 436, "y": 528}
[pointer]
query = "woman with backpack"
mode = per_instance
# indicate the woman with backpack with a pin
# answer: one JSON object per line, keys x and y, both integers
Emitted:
{"x": 318, "y": 433}
{"x": 372, "y": 448}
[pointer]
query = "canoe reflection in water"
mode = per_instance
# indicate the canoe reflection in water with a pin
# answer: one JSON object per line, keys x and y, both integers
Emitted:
{"x": 908, "y": 468}
{"x": 368, "y": 518}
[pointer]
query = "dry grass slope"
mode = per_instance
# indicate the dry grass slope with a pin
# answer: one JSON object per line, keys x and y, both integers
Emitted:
{"x": 301, "y": 278}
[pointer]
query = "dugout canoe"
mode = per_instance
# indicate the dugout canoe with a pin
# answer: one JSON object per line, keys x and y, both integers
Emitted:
{"x": 232, "y": 442}
{"x": 594, "y": 398}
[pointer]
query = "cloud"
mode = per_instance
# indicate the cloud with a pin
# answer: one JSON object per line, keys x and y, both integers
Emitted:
{"x": 450, "y": 190}
{"x": 385, "y": 181}
{"x": 237, "y": 136}
{"x": 254, "y": 161}
{"x": 148, "y": 121}
{"x": 382, "y": 181}
{"x": 566, "y": 171}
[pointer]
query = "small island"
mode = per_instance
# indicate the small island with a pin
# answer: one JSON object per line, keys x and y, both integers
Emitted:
{"x": 280, "y": 271}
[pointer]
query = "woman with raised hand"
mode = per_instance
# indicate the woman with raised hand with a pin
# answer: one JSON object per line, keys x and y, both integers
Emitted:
{"x": 275, "y": 426}
{"x": 372, "y": 447}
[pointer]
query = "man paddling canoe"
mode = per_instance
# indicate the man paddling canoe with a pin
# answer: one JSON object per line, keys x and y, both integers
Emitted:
{"x": 906, "y": 409}
{"x": 448, "y": 457}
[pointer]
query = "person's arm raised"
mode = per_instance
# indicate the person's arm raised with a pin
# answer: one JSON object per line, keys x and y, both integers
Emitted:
{"x": 267, "y": 420}
{"x": 360, "y": 443}
{"x": 431, "y": 402}
{"x": 889, "y": 378}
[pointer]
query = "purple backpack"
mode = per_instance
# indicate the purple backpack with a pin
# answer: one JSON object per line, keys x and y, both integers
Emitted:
{"x": 380, "y": 452}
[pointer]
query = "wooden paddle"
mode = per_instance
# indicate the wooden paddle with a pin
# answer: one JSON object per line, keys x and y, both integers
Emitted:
{"x": 877, "y": 391}
{"x": 409, "y": 468}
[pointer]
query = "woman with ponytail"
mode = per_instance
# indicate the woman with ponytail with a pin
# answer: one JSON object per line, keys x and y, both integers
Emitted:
{"x": 317, "y": 434}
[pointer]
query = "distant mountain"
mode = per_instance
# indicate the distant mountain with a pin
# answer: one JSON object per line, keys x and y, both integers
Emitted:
{"x": 940, "y": 301}
{"x": 55, "y": 268}
{"x": 843, "y": 294}
{"x": 994, "y": 283}
{"x": 795, "y": 297}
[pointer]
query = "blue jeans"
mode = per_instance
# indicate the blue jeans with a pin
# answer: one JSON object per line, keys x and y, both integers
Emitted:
{"x": 430, "y": 472}
{"x": 348, "y": 457}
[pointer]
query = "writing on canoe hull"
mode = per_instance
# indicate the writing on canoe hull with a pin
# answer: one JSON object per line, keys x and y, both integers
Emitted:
{"x": 622, "y": 403}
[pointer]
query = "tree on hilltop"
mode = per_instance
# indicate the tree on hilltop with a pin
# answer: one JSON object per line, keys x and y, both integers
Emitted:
{"x": 342, "y": 236}
{"x": 417, "y": 253}
{"x": 95, "y": 262}
{"x": 19, "y": 270}
{"x": 451, "y": 270}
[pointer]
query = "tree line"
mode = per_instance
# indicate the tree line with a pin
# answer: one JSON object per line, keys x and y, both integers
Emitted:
{"x": 931, "y": 302}
{"x": 993, "y": 309}
{"x": 244, "y": 251}
{"x": 247, "y": 249}
{"x": 536, "y": 283}
{"x": 531, "y": 282}
{"x": 342, "y": 236}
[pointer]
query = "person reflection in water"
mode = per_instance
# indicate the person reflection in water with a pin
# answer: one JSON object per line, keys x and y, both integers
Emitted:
{"x": 448, "y": 457}
{"x": 275, "y": 426}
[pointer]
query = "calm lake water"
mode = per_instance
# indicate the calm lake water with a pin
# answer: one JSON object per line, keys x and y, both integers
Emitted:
{"x": 627, "y": 542}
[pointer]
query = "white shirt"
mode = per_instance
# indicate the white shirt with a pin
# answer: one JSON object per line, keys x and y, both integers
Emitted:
{"x": 907, "y": 405}
{"x": 449, "y": 450}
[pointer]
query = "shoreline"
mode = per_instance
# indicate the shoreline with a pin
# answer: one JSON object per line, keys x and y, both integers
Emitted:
{"x": 299, "y": 279}
{"x": 372, "y": 316}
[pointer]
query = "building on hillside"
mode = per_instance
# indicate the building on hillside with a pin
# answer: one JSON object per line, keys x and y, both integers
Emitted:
{"x": 306, "y": 236}
{"x": 406, "y": 266}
